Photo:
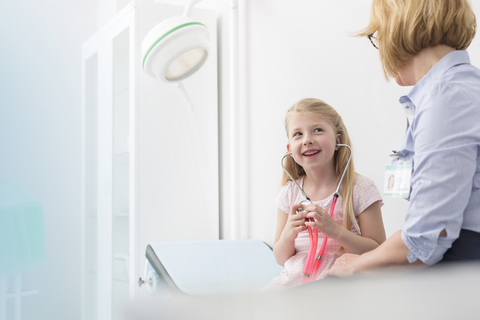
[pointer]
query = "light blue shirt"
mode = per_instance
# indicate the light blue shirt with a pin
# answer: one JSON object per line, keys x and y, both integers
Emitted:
{"x": 442, "y": 140}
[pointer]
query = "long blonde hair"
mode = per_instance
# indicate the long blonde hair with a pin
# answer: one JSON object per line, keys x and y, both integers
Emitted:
{"x": 405, "y": 27}
{"x": 324, "y": 110}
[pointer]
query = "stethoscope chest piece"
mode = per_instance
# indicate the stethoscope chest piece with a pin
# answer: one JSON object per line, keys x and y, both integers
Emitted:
{"x": 304, "y": 202}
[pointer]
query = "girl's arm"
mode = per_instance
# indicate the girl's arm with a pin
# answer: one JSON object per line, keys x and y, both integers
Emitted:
{"x": 288, "y": 227}
{"x": 370, "y": 222}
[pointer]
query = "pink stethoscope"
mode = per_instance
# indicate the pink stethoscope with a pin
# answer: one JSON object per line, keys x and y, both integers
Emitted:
{"x": 313, "y": 263}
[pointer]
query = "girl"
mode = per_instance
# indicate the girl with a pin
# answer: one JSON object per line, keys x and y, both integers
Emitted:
{"x": 314, "y": 129}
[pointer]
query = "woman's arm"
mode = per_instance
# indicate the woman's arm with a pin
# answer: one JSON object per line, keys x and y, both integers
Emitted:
{"x": 288, "y": 227}
{"x": 370, "y": 222}
{"x": 392, "y": 254}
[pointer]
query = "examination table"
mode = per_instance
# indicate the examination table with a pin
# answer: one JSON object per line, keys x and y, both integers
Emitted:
{"x": 209, "y": 267}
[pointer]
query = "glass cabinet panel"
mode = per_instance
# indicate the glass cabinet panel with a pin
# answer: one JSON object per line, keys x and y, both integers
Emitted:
{"x": 121, "y": 165}
{"x": 90, "y": 192}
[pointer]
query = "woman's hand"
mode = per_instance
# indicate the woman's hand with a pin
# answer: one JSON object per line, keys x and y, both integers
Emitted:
{"x": 344, "y": 266}
{"x": 295, "y": 223}
{"x": 323, "y": 222}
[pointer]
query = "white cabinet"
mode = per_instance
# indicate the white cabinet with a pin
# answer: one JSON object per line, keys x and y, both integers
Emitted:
{"x": 150, "y": 166}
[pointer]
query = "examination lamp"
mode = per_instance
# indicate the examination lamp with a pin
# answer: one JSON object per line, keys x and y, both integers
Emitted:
{"x": 175, "y": 49}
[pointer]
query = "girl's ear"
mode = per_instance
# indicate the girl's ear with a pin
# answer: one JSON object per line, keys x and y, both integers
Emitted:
{"x": 338, "y": 140}
{"x": 288, "y": 147}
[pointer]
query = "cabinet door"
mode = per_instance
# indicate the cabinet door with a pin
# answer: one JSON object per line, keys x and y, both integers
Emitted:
{"x": 122, "y": 211}
{"x": 107, "y": 171}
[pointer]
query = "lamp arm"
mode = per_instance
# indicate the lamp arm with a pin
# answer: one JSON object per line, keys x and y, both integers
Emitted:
{"x": 185, "y": 95}
{"x": 189, "y": 7}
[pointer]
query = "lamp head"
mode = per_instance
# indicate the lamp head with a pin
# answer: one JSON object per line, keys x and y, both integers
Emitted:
{"x": 175, "y": 49}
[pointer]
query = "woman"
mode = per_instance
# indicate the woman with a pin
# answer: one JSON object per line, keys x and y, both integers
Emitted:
{"x": 421, "y": 44}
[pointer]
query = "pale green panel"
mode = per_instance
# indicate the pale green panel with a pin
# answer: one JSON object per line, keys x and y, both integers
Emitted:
{"x": 22, "y": 234}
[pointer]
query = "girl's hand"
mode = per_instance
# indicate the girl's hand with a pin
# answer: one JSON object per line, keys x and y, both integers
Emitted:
{"x": 295, "y": 223}
{"x": 323, "y": 222}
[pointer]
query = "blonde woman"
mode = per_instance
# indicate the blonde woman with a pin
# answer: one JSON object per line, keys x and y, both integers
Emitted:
{"x": 421, "y": 44}
{"x": 314, "y": 129}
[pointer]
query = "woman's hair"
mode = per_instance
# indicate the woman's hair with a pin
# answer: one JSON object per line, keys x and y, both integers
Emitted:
{"x": 341, "y": 156}
{"x": 403, "y": 28}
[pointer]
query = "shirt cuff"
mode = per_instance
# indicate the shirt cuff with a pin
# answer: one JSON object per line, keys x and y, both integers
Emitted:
{"x": 422, "y": 248}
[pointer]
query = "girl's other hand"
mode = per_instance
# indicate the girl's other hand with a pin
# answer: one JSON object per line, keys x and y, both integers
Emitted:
{"x": 322, "y": 221}
{"x": 295, "y": 223}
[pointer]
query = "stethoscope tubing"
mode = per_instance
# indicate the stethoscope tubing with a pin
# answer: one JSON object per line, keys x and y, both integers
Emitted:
{"x": 313, "y": 263}
{"x": 318, "y": 258}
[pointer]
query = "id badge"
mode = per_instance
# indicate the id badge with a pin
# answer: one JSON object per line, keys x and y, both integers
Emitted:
{"x": 398, "y": 174}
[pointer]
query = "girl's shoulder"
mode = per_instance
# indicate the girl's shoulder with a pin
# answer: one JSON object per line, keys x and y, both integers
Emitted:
{"x": 365, "y": 192}
{"x": 363, "y": 182}
{"x": 290, "y": 188}
{"x": 288, "y": 194}
{"x": 363, "y": 186}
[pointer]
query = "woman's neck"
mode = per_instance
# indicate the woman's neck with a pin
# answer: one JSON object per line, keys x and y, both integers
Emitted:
{"x": 320, "y": 184}
{"x": 418, "y": 66}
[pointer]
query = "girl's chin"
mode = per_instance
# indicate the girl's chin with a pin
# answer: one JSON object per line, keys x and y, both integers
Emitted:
{"x": 311, "y": 166}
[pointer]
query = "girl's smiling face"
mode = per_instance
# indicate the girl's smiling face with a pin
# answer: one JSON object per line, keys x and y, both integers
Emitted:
{"x": 312, "y": 141}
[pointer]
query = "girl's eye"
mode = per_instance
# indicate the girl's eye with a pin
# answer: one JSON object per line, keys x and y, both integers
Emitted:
{"x": 318, "y": 130}
{"x": 297, "y": 134}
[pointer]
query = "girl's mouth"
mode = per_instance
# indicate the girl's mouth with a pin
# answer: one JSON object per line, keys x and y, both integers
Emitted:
{"x": 311, "y": 153}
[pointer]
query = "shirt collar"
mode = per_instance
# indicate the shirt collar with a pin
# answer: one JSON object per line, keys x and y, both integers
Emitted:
{"x": 423, "y": 86}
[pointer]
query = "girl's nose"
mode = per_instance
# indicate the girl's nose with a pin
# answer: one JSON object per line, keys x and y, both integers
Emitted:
{"x": 307, "y": 139}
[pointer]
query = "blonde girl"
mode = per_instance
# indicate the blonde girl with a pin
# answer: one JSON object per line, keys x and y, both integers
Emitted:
{"x": 314, "y": 129}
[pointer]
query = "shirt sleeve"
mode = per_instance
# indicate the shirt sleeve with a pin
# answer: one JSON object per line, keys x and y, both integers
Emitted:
{"x": 365, "y": 193}
{"x": 284, "y": 198}
{"x": 444, "y": 163}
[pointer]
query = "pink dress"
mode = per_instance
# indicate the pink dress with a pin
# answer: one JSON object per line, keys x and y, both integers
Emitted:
{"x": 365, "y": 193}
